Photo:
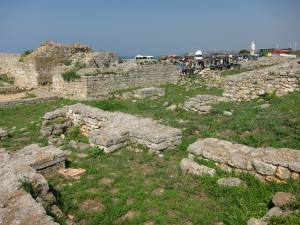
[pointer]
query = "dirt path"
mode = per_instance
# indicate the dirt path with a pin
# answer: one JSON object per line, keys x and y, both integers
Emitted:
{"x": 12, "y": 97}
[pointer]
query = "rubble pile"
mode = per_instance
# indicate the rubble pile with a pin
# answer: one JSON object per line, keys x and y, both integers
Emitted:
{"x": 25, "y": 167}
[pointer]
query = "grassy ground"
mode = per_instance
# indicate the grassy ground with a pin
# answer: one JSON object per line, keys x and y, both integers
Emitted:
{"x": 153, "y": 189}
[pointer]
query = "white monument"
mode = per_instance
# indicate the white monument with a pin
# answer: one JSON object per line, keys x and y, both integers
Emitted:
{"x": 252, "y": 52}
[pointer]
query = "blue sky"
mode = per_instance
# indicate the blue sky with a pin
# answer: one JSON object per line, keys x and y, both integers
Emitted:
{"x": 155, "y": 27}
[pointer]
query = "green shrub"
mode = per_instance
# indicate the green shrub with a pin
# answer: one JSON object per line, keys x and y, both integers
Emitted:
{"x": 95, "y": 152}
{"x": 6, "y": 79}
{"x": 74, "y": 134}
{"x": 28, "y": 187}
{"x": 69, "y": 75}
{"x": 79, "y": 65}
{"x": 24, "y": 54}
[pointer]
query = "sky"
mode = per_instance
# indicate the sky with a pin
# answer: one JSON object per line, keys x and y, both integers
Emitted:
{"x": 150, "y": 27}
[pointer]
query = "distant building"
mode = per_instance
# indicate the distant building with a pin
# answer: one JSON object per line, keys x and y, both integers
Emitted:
{"x": 252, "y": 52}
{"x": 137, "y": 57}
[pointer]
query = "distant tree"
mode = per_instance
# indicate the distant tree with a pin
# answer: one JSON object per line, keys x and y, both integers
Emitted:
{"x": 244, "y": 51}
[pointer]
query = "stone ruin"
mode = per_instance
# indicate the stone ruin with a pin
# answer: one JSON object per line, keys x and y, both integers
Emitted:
{"x": 110, "y": 130}
{"x": 96, "y": 83}
{"x": 27, "y": 166}
{"x": 278, "y": 79}
{"x": 202, "y": 104}
{"x": 266, "y": 163}
{"x": 97, "y": 73}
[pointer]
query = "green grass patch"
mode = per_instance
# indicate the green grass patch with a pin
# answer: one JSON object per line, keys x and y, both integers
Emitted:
{"x": 70, "y": 76}
{"x": 134, "y": 177}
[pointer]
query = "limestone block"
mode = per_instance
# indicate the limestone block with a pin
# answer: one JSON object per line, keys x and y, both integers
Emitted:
{"x": 190, "y": 166}
{"x": 264, "y": 168}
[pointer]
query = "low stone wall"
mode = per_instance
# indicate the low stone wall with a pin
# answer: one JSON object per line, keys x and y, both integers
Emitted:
{"x": 262, "y": 61}
{"x": 94, "y": 86}
{"x": 26, "y": 101}
{"x": 202, "y": 104}
{"x": 279, "y": 79}
{"x": 16, "y": 205}
{"x": 267, "y": 163}
{"x": 110, "y": 131}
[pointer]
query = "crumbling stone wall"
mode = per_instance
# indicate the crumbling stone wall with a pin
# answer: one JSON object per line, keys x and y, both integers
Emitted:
{"x": 93, "y": 86}
{"x": 110, "y": 131}
{"x": 25, "y": 166}
{"x": 8, "y": 63}
{"x": 279, "y": 79}
{"x": 266, "y": 163}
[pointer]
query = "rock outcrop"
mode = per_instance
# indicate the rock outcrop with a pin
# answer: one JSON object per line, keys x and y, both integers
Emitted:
{"x": 267, "y": 163}
{"x": 190, "y": 166}
{"x": 110, "y": 130}
{"x": 24, "y": 168}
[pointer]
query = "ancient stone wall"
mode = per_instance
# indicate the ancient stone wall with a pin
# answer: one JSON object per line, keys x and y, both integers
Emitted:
{"x": 93, "y": 86}
{"x": 8, "y": 63}
{"x": 110, "y": 131}
{"x": 267, "y": 163}
{"x": 279, "y": 79}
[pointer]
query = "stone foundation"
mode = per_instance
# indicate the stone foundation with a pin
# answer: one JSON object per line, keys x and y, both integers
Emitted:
{"x": 16, "y": 205}
{"x": 267, "y": 163}
{"x": 110, "y": 131}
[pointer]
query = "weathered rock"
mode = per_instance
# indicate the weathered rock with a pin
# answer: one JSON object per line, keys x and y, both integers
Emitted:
{"x": 275, "y": 211}
{"x": 264, "y": 168}
{"x": 148, "y": 92}
{"x": 172, "y": 107}
{"x": 269, "y": 163}
{"x": 230, "y": 182}
{"x": 190, "y": 166}
{"x": 264, "y": 106}
{"x": 73, "y": 173}
{"x": 3, "y": 134}
{"x": 18, "y": 206}
{"x": 227, "y": 113}
{"x": 254, "y": 221}
{"x": 282, "y": 199}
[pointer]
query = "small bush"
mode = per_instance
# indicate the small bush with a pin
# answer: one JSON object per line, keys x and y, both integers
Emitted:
{"x": 95, "y": 152}
{"x": 79, "y": 65}
{"x": 6, "y": 79}
{"x": 24, "y": 54}
{"x": 28, "y": 187}
{"x": 75, "y": 134}
{"x": 69, "y": 75}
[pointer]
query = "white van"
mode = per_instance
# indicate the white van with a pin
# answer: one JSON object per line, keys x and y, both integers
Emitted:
{"x": 198, "y": 55}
